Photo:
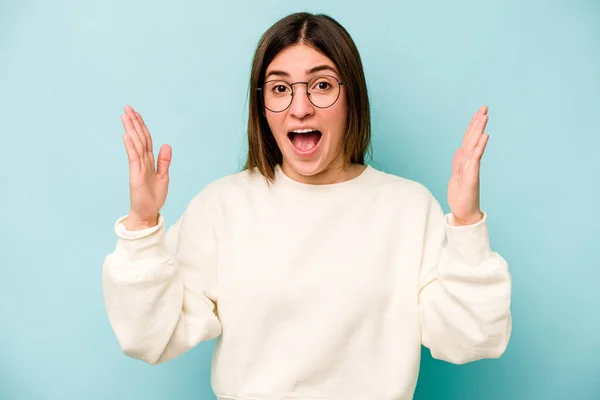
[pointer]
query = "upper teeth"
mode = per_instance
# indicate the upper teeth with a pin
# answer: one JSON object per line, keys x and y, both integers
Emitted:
{"x": 303, "y": 130}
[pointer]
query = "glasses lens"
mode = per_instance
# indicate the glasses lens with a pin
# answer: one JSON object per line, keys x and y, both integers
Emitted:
{"x": 324, "y": 91}
{"x": 277, "y": 95}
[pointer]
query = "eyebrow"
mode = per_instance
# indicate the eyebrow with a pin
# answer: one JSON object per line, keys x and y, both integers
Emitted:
{"x": 318, "y": 68}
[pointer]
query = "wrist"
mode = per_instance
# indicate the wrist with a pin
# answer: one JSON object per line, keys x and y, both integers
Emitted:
{"x": 471, "y": 220}
{"x": 135, "y": 224}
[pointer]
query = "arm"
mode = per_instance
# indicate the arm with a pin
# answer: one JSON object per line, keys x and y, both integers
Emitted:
{"x": 465, "y": 291}
{"x": 160, "y": 289}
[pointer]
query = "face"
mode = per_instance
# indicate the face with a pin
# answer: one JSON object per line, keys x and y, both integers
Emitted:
{"x": 309, "y": 137}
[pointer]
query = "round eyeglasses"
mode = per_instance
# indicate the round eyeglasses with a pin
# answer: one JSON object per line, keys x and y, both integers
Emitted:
{"x": 322, "y": 91}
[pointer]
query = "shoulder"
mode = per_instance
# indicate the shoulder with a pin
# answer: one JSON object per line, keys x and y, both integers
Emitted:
{"x": 400, "y": 187}
{"x": 227, "y": 187}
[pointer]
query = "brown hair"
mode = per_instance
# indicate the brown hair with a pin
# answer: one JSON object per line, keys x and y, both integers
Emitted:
{"x": 327, "y": 36}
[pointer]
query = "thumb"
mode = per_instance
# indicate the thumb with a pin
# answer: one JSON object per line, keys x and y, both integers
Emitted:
{"x": 164, "y": 161}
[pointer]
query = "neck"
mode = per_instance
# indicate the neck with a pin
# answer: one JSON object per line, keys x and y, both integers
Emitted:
{"x": 329, "y": 175}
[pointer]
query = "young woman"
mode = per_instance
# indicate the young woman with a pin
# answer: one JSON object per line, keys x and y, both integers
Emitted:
{"x": 319, "y": 276}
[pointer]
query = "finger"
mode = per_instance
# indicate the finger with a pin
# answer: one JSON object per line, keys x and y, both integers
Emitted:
{"x": 132, "y": 154}
{"x": 468, "y": 130}
{"x": 136, "y": 125}
{"x": 456, "y": 160}
{"x": 481, "y": 145}
{"x": 482, "y": 110}
{"x": 476, "y": 133}
{"x": 146, "y": 132}
{"x": 474, "y": 124}
{"x": 164, "y": 161}
{"x": 128, "y": 124}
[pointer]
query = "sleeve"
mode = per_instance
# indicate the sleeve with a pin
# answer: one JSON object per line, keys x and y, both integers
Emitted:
{"x": 160, "y": 290}
{"x": 465, "y": 291}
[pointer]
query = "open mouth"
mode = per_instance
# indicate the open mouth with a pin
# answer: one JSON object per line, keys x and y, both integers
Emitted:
{"x": 305, "y": 140}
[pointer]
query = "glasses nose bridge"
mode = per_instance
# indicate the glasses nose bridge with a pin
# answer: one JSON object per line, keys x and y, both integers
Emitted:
{"x": 293, "y": 96}
{"x": 298, "y": 83}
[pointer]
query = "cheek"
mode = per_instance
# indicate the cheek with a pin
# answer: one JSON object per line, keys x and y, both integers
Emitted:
{"x": 341, "y": 111}
{"x": 275, "y": 122}
{"x": 337, "y": 120}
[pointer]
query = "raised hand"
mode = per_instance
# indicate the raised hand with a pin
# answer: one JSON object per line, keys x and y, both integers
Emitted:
{"x": 463, "y": 187}
{"x": 148, "y": 184}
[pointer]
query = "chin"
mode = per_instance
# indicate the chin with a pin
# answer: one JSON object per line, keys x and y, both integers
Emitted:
{"x": 305, "y": 167}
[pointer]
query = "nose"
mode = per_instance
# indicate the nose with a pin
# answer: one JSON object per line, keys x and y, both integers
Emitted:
{"x": 301, "y": 106}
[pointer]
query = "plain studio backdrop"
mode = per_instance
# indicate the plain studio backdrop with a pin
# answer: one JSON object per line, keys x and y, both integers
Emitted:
{"x": 68, "y": 67}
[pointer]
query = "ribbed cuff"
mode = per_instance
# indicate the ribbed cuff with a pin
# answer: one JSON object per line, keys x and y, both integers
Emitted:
{"x": 143, "y": 244}
{"x": 468, "y": 244}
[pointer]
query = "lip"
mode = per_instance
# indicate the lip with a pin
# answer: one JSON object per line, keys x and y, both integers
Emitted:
{"x": 304, "y": 127}
{"x": 309, "y": 153}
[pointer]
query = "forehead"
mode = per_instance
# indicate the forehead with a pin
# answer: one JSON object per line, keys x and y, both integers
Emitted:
{"x": 298, "y": 59}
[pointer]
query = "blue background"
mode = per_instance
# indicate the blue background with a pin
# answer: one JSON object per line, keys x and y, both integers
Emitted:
{"x": 68, "y": 67}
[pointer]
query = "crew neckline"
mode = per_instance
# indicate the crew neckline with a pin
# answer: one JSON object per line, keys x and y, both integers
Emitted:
{"x": 282, "y": 180}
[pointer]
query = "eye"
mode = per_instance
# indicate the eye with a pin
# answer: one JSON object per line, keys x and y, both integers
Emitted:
{"x": 278, "y": 88}
{"x": 322, "y": 85}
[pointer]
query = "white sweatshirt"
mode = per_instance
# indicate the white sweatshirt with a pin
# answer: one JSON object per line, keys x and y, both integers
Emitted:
{"x": 314, "y": 292}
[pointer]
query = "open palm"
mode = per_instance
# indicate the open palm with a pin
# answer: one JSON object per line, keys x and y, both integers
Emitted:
{"x": 148, "y": 181}
{"x": 463, "y": 187}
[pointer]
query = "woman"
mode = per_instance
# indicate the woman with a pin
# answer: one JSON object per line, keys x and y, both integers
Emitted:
{"x": 319, "y": 276}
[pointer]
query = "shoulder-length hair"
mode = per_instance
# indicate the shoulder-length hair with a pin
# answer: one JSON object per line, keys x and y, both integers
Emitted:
{"x": 327, "y": 36}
